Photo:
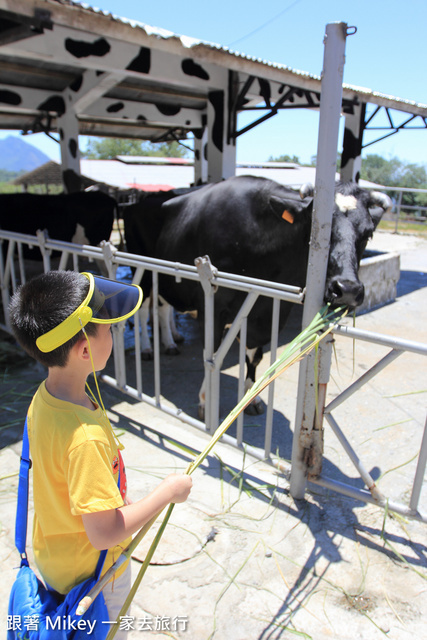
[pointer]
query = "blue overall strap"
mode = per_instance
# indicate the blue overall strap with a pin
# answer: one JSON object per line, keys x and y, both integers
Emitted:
{"x": 103, "y": 553}
{"x": 22, "y": 505}
{"x": 21, "y": 523}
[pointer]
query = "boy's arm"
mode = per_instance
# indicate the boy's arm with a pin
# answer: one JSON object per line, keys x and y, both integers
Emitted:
{"x": 105, "y": 529}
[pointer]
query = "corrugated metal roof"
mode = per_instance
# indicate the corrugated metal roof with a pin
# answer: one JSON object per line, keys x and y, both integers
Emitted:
{"x": 173, "y": 176}
{"x": 190, "y": 42}
{"x": 187, "y": 41}
{"x": 148, "y": 174}
{"x": 166, "y": 101}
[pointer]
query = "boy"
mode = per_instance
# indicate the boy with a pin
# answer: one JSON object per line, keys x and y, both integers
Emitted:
{"x": 63, "y": 319}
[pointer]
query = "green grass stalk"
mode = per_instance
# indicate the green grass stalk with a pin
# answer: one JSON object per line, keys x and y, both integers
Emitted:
{"x": 308, "y": 339}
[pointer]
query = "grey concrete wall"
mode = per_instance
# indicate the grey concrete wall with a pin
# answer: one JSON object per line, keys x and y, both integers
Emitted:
{"x": 380, "y": 275}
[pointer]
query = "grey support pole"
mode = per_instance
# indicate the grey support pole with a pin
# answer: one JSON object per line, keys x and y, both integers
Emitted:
{"x": 307, "y": 445}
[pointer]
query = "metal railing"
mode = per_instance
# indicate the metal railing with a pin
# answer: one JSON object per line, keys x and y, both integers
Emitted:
{"x": 108, "y": 259}
{"x": 398, "y": 206}
{"x": 373, "y": 494}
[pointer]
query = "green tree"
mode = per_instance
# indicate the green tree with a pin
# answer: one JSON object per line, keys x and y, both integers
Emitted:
{"x": 284, "y": 158}
{"x": 396, "y": 173}
{"x": 7, "y": 176}
{"x": 108, "y": 148}
{"x": 313, "y": 161}
{"x": 377, "y": 169}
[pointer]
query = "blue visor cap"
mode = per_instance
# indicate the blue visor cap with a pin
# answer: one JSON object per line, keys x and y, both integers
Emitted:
{"x": 113, "y": 301}
{"x": 107, "y": 302}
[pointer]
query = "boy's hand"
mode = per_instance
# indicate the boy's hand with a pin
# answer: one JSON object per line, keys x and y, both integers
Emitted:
{"x": 179, "y": 485}
{"x": 105, "y": 529}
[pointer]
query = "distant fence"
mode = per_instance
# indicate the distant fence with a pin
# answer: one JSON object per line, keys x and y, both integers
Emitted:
{"x": 396, "y": 194}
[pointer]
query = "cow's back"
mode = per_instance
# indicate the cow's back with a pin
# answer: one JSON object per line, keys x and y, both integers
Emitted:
{"x": 233, "y": 223}
{"x": 28, "y": 212}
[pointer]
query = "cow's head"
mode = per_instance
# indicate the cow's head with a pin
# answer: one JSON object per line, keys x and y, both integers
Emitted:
{"x": 357, "y": 213}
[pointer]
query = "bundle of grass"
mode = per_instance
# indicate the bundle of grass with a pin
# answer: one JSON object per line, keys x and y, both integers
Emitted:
{"x": 300, "y": 346}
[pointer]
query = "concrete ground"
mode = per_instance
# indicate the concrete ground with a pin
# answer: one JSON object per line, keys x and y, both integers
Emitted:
{"x": 241, "y": 558}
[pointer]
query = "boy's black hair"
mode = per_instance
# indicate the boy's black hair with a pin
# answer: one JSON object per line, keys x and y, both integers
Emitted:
{"x": 43, "y": 303}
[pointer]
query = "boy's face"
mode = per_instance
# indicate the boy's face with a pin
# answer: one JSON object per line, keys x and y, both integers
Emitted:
{"x": 101, "y": 345}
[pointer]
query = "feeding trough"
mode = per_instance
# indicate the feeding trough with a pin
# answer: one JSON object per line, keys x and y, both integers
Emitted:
{"x": 380, "y": 272}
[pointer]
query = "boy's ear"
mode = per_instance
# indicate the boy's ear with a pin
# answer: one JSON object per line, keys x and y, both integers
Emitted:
{"x": 81, "y": 349}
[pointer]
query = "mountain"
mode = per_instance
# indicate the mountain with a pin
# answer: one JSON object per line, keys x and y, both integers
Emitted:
{"x": 17, "y": 155}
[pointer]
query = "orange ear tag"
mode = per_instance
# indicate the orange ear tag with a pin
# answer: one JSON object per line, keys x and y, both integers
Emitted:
{"x": 288, "y": 216}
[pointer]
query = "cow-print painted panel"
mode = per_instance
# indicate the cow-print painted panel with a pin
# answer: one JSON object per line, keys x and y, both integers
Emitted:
{"x": 351, "y": 147}
{"x": 191, "y": 68}
{"x": 216, "y": 98}
{"x": 54, "y": 103}
{"x": 265, "y": 91}
{"x": 77, "y": 83}
{"x": 198, "y": 133}
{"x": 168, "y": 109}
{"x": 10, "y": 97}
{"x": 114, "y": 108}
{"x": 83, "y": 49}
{"x": 142, "y": 62}
{"x": 72, "y": 146}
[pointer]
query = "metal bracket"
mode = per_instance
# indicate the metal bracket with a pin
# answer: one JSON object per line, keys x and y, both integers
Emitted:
{"x": 109, "y": 251}
{"x": 207, "y": 274}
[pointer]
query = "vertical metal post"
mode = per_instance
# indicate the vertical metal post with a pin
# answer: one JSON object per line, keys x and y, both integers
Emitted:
{"x": 118, "y": 330}
{"x": 399, "y": 204}
{"x": 241, "y": 385}
{"x": 156, "y": 337}
{"x": 274, "y": 343}
{"x": 306, "y": 441}
{"x": 42, "y": 238}
{"x": 207, "y": 274}
{"x": 420, "y": 472}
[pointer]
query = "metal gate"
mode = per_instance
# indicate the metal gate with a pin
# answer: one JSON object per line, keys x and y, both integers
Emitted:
{"x": 107, "y": 259}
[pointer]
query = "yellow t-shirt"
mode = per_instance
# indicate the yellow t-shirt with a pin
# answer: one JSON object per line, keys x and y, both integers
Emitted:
{"x": 75, "y": 471}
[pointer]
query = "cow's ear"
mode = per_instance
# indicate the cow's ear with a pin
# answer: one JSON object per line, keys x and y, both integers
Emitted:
{"x": 376, "y": 215}
{"x": 379, "y": 203}
{"x": 289, "y": 210}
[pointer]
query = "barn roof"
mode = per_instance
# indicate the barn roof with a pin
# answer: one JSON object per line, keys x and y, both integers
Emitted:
{"x": 49, "y": 173}
{"x": 161, "y": 174}
{"x": 49, "y": 49}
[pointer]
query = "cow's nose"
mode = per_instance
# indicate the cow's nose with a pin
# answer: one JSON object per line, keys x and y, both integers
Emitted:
{"x": 345, "y": 292}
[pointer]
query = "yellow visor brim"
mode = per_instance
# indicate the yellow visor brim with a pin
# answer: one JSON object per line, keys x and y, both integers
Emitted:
{"x": 107, "y": 302}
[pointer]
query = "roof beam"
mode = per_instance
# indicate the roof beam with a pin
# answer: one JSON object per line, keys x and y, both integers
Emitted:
{"x": 84, "y": 50}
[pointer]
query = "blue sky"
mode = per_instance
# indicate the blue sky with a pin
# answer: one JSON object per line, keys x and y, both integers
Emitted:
{"x": 387, "y": 54}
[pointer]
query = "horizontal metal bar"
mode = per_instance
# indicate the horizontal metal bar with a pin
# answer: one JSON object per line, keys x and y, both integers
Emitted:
{"x": 290, "y": 293}
{"x": 364, "y": 474}
{"x": 420, "y": 471}
{"x": 365, "y": 496}
{"x": 379, "y": 338}
{"x": 379, "y": 366}
{"x": 223, "y": 279}
{"x": 142, "y": 397}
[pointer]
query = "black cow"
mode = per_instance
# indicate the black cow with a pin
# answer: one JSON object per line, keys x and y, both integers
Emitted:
{"x": 141, "y": 235}
{"x": 59, "y": 214}
{"x": 255, "y": 227}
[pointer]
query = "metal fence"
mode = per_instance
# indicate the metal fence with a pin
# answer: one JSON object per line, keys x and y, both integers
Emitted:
{"x": 13, "y": 270}
{"x": 373, "y": 494}
{"x": 402, "y": 212}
